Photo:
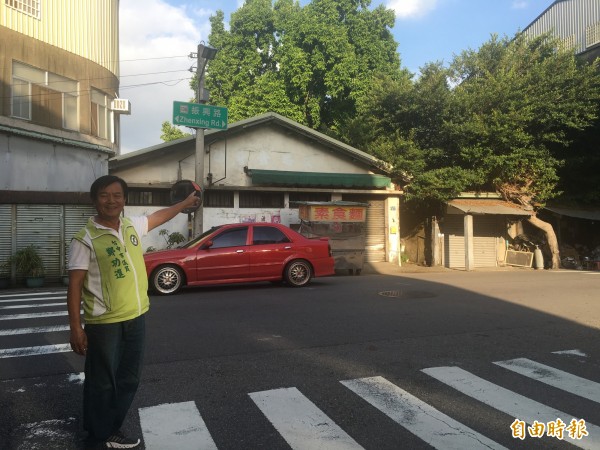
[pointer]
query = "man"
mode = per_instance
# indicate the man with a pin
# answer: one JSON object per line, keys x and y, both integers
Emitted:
{"x": 107, "y": 272}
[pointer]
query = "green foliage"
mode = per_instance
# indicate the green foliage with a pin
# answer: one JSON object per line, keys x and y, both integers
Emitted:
{"x": 171, "y": 132}
{"x": 310, "y": 63}
{"x": 171, "y": 239}
{"x": 502, "y": 118}
{"x": 28, "y": 261}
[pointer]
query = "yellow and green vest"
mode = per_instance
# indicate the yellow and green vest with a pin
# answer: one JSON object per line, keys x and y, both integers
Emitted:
{"x": 115, "y": 288}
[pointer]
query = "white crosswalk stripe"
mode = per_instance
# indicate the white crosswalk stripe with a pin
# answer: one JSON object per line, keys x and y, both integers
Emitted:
{"x": 34, "y": 351}
{"x": 36, "y": 300}
{"x": 44, "y": 305}
{"x": 175, "y": 426}
{"x": 300, "y": 422}
{"x": 554, "y": 377}
{"x": 437, "y": 429}
{"x": 511, "y": 403}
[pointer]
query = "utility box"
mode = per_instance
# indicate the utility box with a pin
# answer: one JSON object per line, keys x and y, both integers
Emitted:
{"x": 344, "y": 223}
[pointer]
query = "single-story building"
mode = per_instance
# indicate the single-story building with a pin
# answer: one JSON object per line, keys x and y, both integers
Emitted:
{"x": 475, "y": 231}
{"x": 258, "y": 169}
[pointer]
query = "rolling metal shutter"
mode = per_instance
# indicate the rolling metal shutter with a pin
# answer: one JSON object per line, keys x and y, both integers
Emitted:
{"x": 41, "y": 226}
{"x": 48, "y": 227}
{"x": 454, "y": 241}
{"x": 375, "y": 227}
{"x": 6, "y": 232}
{"x": 486, "y": 230}
{"x": 375, "y": 240}
{"x": 76, "y": 217}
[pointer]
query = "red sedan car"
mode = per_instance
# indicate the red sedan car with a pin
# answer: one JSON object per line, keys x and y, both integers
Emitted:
{"x": 239, "y": 253}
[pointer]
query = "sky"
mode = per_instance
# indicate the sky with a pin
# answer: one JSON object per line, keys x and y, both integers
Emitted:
{"x": 157, "y": 37}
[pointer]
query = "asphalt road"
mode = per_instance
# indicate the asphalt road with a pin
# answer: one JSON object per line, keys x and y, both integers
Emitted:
{"x": 269, "y": 367}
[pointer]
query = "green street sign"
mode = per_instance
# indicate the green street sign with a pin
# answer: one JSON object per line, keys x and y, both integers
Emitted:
{"x": 196, "y": 115}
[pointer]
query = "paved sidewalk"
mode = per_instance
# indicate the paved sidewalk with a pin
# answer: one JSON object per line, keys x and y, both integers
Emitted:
{"x": 386, "y": 268}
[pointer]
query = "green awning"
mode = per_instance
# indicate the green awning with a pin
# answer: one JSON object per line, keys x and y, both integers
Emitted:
{"x": 321, "y": 179}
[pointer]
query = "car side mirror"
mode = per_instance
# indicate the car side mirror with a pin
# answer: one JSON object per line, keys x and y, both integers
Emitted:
{"x": 206, "y": 245}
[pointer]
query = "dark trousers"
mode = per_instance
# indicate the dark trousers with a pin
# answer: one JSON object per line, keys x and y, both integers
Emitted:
{"x": 113, "y": 367}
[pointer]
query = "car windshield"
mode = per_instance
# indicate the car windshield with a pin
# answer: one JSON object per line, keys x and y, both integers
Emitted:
{"x": 195, "y": 241}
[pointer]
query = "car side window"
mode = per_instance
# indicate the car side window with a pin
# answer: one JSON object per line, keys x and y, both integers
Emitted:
{"x": 231, "y": 238}
{"x": 268, "y": 235}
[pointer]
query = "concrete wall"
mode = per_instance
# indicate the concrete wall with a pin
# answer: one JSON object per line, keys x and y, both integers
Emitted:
{"x": 266, "y": 148}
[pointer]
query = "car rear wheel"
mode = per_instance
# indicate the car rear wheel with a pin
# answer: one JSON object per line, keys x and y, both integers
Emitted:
{"x": 298, "y": 273}
{"x": 167, "y": 280}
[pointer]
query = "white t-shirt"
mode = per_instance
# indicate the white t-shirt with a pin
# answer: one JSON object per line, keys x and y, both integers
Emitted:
{"x": 79, "y": 254}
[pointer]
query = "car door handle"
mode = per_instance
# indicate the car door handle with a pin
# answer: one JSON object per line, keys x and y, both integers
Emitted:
{"x": 239, "y": 251}
{"x": 287, "y": 247}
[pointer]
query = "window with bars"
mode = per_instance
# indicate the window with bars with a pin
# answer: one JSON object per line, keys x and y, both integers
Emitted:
{"x": 29, "y": 7}
{"x": 148, "y": 197}
{"x": 217, "y": 199}
{"x": 250, "y": 199}
{"x": 296, "y": 197}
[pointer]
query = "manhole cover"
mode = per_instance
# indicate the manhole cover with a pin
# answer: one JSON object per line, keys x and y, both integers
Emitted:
{"x": 406, "y": 294}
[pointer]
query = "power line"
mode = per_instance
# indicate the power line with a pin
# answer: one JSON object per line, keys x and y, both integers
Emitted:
{"x": 158, "y": 57}
{"x": 173, "y": 82}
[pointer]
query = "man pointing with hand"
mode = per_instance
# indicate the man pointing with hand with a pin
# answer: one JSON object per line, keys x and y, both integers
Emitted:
{"x": 107, "y": 273}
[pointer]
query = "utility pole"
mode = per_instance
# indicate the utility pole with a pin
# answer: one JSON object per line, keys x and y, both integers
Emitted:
{"x": 205, "y": 53}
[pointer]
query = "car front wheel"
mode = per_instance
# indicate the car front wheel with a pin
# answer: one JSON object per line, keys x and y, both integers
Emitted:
{"x": 167, "y": 280}
{"x": 298, "y": 273}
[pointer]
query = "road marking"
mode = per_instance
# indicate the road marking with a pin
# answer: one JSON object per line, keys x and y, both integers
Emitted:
{"x": 511, "y": 403}
{"x": 32, "y": 330}
{"x": 34, "y": 293}
{"x": 434, "y": 427}
{"x": 300, "y": 422}
{"x": 175, "y": 425}
{"x": 41, "y": 305}
{"x": 37, "y": 299}
{"x": 573, "y": 352}
{"x": 34, "y": 315}
{"x": 554, "y": 377}
{"x": 34, "y": 351}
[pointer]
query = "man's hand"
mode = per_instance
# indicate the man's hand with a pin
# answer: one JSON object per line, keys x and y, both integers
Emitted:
{"x": 78, "y": 341}
{"x": 162, "y": 215}
{"x": 192, "y": 201}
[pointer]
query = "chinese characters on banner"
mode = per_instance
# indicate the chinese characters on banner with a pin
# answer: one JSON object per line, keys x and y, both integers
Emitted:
{"x": 332, "y": 213}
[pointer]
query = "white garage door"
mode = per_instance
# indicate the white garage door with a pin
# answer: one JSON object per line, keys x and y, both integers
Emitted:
{"x": 487, "y": 230}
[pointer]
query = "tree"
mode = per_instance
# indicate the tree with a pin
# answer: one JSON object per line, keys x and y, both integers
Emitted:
{"x": 310, "y": 63}
{"x": 501, "y": 118}
{"x": 171, "y": 132}
{"x": 517, "y": 102}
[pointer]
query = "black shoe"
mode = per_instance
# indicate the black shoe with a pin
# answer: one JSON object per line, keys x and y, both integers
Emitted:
{"x": 118, "y": 440}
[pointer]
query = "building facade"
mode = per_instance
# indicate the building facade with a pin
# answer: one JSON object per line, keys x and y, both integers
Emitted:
{"x": 575, "y": 22}
{"x": 59, "y": 79}
{"x": 258, "y": 170}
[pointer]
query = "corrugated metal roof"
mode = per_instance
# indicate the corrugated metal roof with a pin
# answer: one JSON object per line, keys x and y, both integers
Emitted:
{"x": 487, "y": 206}
{"x": 589, "y": 214}
{"x": 212, "y": 135}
